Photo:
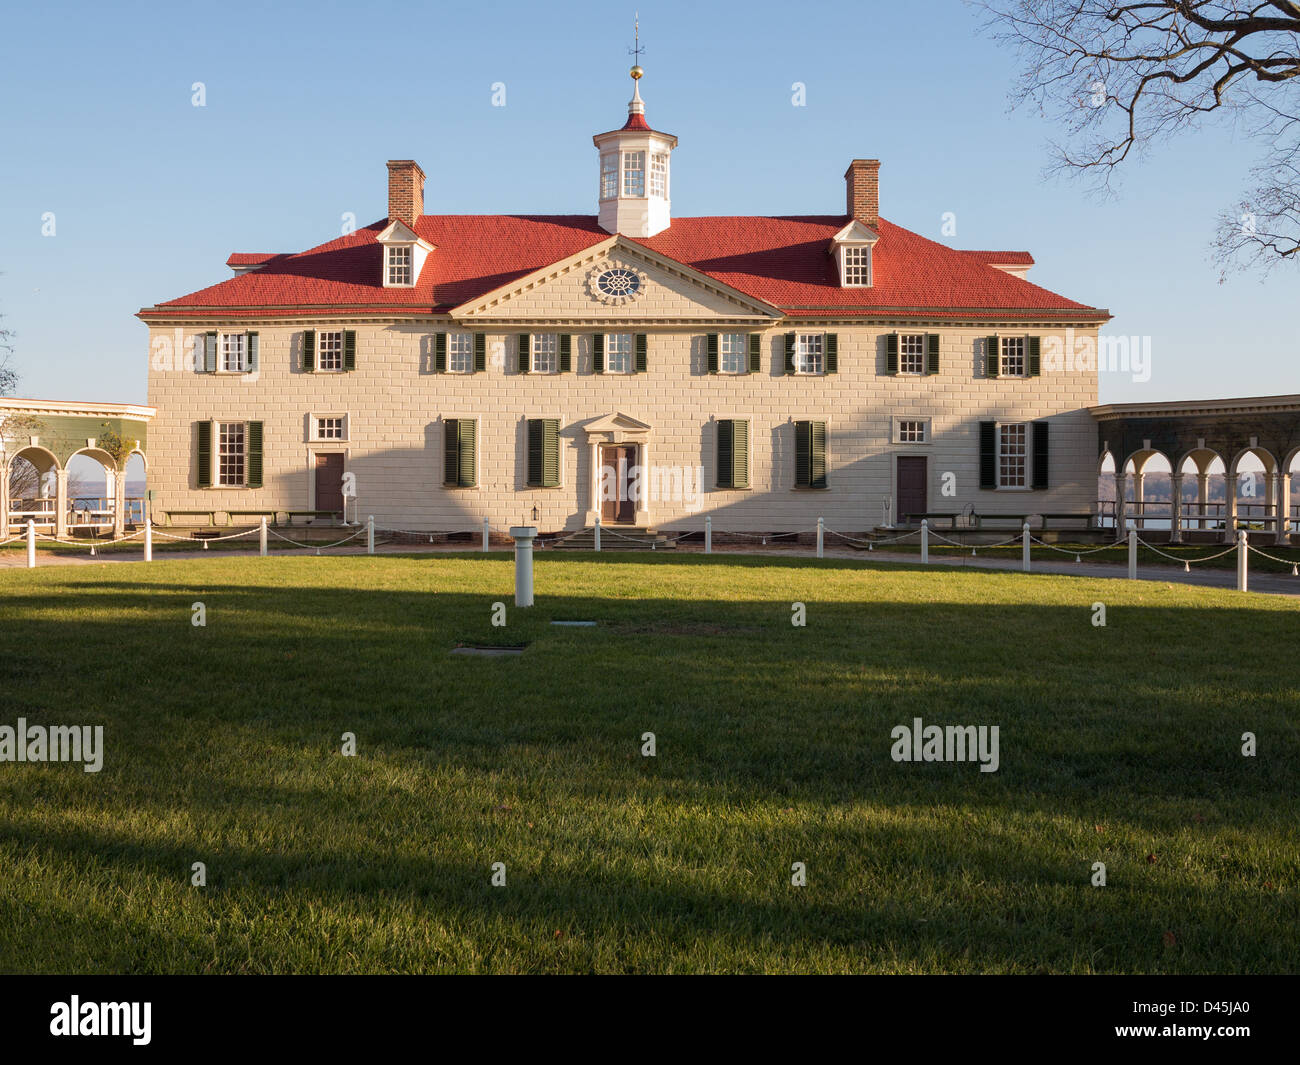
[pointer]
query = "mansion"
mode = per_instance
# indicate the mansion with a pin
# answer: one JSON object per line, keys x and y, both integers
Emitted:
{"x": 436, "y": 370}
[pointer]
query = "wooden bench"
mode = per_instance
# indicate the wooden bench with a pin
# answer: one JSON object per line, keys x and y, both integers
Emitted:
{"x": 270, "y": 515}
{"x": 1077, "y": 516}
{"x": 311, "y": 515}
{"x": 211, "y": 515}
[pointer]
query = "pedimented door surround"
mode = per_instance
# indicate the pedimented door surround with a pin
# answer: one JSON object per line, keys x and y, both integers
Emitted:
{"x": 617, "y": 428}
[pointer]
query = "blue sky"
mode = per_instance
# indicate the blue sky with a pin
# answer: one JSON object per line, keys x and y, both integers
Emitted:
{"x": 306, "y": 102}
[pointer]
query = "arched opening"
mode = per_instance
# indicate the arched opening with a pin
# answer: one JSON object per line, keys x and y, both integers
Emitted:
{"x": 92, "y": 491}
{"x": 1204, "y": 506}
{"x": 1254, "y": 481}
{"x": 136, "y": 475}
{"x": 1148, "y": 489}
{"x": 33, "y": 488}
{"x": 1106, "y": 491}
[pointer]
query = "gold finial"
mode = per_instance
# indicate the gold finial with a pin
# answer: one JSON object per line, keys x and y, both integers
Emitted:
{"x": 636, "y": 50}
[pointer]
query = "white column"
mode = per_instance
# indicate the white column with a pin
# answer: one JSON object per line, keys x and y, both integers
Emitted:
{"x": 61, "y": 504}
{"x": 1230, "y": 494}
{"x": 596, "y": 536}
{"x": 1121, "y": 505}
{"x": 1132, "y": 554}
{"x": 4, "y": 498}
{"x": 1024, "y": 548}
{"x": 117, "y": 479}
{"x": 523, "y": 536}
{"x": 925, "y": 539}
{"x": 1243, "y": 553}
{"x": 370, "y": 535}
{"x": 148, "y": 542}
{"x": 1283, "y": 496}
{"x": 1139, "y": 498}
{"x": 1176, "y": 508}
{"x": 261, "y": 537}
{"x": 821, "y": 536}
{"x": 708, "y": 535}
{"x": 31, "y": 544}
{"x": 1202, "y": 496}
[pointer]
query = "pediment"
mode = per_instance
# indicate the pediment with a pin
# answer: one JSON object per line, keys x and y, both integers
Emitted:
{"x": 650, "y": 288}
{"x": 856, "y": 233}
{"x": 616, "y": 427}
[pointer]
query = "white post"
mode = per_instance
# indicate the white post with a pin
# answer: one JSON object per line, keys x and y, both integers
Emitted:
{"x": 596, "y": 540}
{"x": 821, "y": 535}
{"x": 31, "y": 544}
{"x": 1024, "y": 548}
{"x": 487, "y": 531}
{"x": 708, "y": 535}
{"x": 523, "y": 537}
{"x": 261, "y": 537}
{"x": 925, "y": 540}
{"x": 148, "y": 539}
{"x": 1243, "y": 552}
{"x": 1132, "y": 554}
{"x": 370, "y": 535}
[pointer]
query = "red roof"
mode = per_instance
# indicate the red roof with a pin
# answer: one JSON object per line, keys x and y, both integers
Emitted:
{"x": 1007, "y": 258}
{"x": 784, "y": 261}
{"x": 253, "y": 258}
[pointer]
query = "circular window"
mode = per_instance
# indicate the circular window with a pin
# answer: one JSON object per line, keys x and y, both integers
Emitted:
{"x": 618, "y": 282}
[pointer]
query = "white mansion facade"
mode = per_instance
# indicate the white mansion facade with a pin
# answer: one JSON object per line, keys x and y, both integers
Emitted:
{"x": 649, "y": 369}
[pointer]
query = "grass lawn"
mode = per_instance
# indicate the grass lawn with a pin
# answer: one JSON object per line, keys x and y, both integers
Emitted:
{"x": 1118, "y": 744}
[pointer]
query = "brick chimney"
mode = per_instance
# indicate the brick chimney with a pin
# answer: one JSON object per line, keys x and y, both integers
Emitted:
{"x": 862, "y": 186}
{"x": 405, "y": 190}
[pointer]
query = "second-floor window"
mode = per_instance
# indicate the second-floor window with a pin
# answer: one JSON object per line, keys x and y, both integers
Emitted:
{"x": 733, "y": 352}
{"x": 857, "y": 266}
{"x": 618, "y": 353}
{"x": 1012, "y": 363}
{"x": 911, "y": 353}
{"x": 331, "y": 427}
{"x": 234, "y": 352}
{"x": 545, "y": 353}
{"x": 808, "y": 353}
{"x": 329, "y": 350}
{"x": 460, "y": 353}
{"x": 911, "y": 432}
{"x": 399, "y": 264}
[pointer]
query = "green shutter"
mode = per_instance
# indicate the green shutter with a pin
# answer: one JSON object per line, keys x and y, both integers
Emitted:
{"x": 253, "y": 478}
{"x": 640, "y": 353}
{"x": 210, "y": 352}
{"x": 525, "y": 352}
{"x": 988, "y": 454}
{"x": 480, "y": 352}
{"x": 1035, "y": 357}
{"x": 802, "y": 454}
{"x": 468, "y": 452}
{"x": 789, "y": 353}
{"x": 932, "y": 353}
{"x": 992, "y": 353}
{"x": 439, "y": 352}
{"x": 251, "y": 346}
{"x": 818, "y": 455}
{"x": 536, "y": 438}
{"x": 349, "y": 349}
{"x": 551, "y": 453}
{"x": 309, "y": 350}
{"x": 1039, "y": 430}
{"x": 891, "y": 353}
{"x": 831, "y": 348}
{"x": 740, "y": 453}
{"x": 205, "y": 454}
{"x": 566, "y": 353}
{"x": 755, "y": 352}
{"x": 726, "y": 453}
{"x": 711, "y": 352}
{"x": 451, "y": 452}
{"x": 598, "y": 353}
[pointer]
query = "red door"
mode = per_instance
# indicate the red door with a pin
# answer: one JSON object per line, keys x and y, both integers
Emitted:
{"x": 329, "y": 482}
{"x": 911, "y": 488}
{"x": 616, "y": 505}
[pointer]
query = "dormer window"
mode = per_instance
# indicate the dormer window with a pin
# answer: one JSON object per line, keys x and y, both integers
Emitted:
{"x": 399, "y": 265}
{"x": 857, "y": 265}
{"x": 852, "y": 247}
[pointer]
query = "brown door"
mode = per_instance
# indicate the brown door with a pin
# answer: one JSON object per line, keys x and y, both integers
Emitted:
{"x": 911, "y": 487}
{"x": 329, "y": 482}
{"x": 615, "y": 478}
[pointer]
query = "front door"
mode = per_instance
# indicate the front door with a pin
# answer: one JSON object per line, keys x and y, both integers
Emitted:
{"x": 911, "y": 488}
{"x": 616, "y": 505}
{"x": 329, "y": 482}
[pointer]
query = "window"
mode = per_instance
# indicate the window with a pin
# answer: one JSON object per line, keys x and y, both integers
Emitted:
{"x": 399, "y": 264}
{"x": 609, "y": 176}
{"x": 618, "y": 353}
{"x": 857, "y": 266}
{"x": 1013, "y": 357}
{"x": 733, "y": 453}
{"x": 231, "y": 453}
{"x": 1012, "y": 452}
{"x": 460, "y": 353}
{"x": 234, "y": 352}
{"x": 545, "y": 353}
{"x": 634, "y": 173}
{"x": 733, "y": 351}
{"x": 810, "y": 454}
{"x": 659, "y": 174}
{"x": 543, "y": 452}
{"x": 911, "y": 353}
{"x": 332, "y": 427}
{"x": 460, "y": 453}
{"x": 329, "y": 350}
{"x": 808, "y": 353}
{"x": 911, "y": 432}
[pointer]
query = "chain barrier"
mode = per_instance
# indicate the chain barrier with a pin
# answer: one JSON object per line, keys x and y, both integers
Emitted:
{"x": 1295, "y": 567}
{"x": 92, "y": 544}
{"x": 318, "y": 547}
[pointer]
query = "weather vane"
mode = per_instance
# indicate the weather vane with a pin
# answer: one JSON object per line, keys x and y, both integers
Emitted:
{"x": 636, "y": 49}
